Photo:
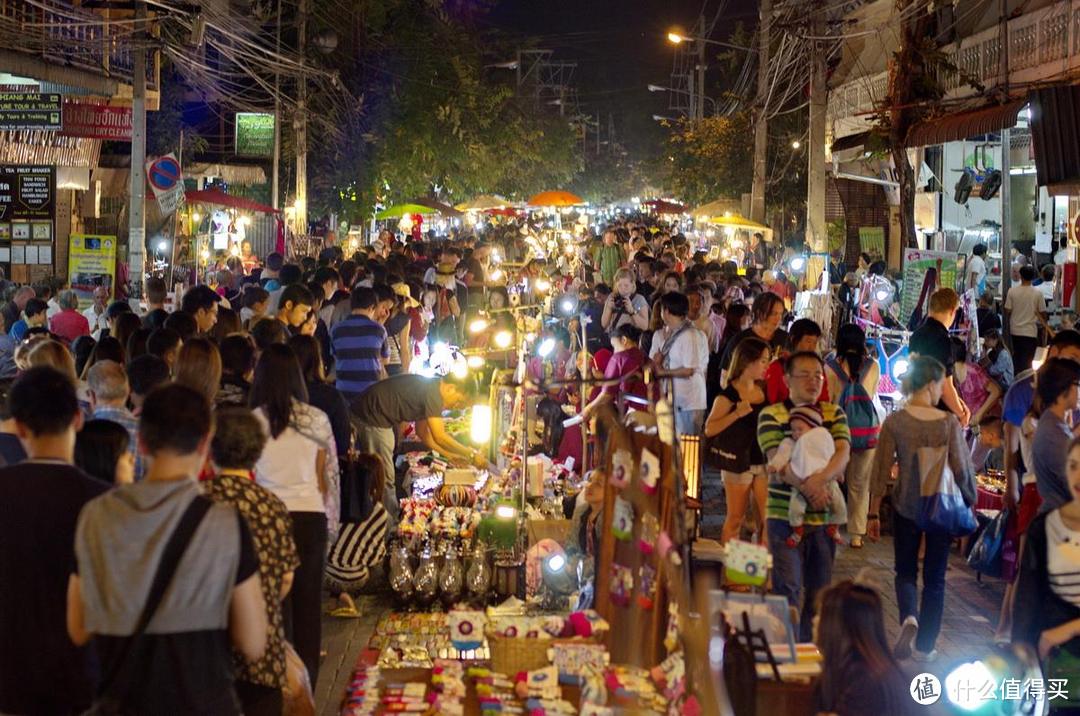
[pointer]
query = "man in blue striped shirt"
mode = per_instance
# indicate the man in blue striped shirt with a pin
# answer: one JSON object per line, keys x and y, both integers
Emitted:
{"x": 359, "y": 345}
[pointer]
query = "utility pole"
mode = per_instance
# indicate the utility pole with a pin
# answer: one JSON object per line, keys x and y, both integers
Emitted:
{"x": 816, "y": 234}
{"x": 761, "y": 122}
{"x": 1006, "y": 148}
{"x": 300, "y": 123}
{"x": 275, "y": 191}
{"x": 700, "y": 108}
{"x": 137, "y": 208}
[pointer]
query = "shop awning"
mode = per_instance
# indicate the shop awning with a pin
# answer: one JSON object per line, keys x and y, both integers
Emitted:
{"x": 220, "y": 198}
{"x": 963, "y": 125}
{"x": 1056, "y": 136}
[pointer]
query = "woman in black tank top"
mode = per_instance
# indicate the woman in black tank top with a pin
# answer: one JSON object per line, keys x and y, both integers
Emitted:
{"x": 732, "y": 433}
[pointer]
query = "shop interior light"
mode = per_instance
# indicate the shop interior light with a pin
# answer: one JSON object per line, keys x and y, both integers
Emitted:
{"x": 567, "y": 305}
{"x": 196, "y": 217}
{"x": 900, "y": 366}
{"x": 882, "y": 294}
{"x": 475, "y": 362}
{"x": 478, "y": 325}
{"x": 460, "y": 369}
{"x": 797, "y": 263}
{"x": 557, "y": 578}
{"x": 162, "y": 245}
{"x": 503, "y": 339}
{"x": 546, "y": 346}
{"x": 496, "y": 275}
{"x": 480, "y": 430}
{"x": 506, "y": 512}
{"x": 543, "y": 285}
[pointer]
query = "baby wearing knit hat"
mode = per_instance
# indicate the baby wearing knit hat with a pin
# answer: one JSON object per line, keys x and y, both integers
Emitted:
{"x": 807, "y": 451}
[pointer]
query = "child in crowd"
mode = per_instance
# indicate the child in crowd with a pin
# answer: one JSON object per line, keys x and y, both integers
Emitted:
{"x": 808, "y": 450}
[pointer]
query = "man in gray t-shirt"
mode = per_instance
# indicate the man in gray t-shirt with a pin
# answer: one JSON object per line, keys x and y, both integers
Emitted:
{"x": 409, "y": 398}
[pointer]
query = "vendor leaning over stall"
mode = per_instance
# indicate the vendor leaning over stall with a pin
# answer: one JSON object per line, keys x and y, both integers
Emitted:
{"x": 406, "y": 398}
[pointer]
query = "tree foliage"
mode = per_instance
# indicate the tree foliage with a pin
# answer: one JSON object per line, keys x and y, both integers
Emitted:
{"x": 711, "y": 158}
{"x": 432, "y": 118}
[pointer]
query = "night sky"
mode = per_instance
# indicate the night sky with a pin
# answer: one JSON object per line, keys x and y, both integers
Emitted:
{"x": 620, "y": 47}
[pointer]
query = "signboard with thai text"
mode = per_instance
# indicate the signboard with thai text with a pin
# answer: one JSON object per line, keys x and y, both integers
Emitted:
{"x": 96, "y": 120}
{"x": 91, "y": 263}
{"x": 254, "y": 134}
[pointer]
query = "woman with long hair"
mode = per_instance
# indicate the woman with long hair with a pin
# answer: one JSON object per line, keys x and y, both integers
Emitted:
{"x": 299, "y": 465}
{"x": 858, "y": 674}
{"x": 732, "y": 430}
{"x": 126, "y": 325}
{"x": 357, "y": 558}
{"x": 321, "y": 393}
{"x": 198, "y": 366}
{"x": 919, "y": 428}
{"x": 851, "y": 366}
{"x": 767, "y": 314}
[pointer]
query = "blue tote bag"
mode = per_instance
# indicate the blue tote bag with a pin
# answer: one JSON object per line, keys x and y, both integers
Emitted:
{"x": 942, "y": 509}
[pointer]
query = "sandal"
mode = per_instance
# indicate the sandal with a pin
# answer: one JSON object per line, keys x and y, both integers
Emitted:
{"x": 347, "y": 610}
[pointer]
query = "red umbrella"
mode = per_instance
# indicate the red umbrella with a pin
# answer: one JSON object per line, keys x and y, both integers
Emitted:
{"x": 661, "y": 206}
{"x": 220, "y": 198}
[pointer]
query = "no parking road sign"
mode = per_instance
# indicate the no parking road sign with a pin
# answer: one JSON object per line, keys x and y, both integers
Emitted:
{"x": 167, "y": 182}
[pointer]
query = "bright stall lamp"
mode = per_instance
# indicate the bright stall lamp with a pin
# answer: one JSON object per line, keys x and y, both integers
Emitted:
{"x": 567, "y": 306}
{"x": 503, "y": 339}
{"x": 496, "y": 275}
{"x": 882, "y": 294}
{"x": 797, "y": 263}
{"x": 475, "y": 362}
{"x": 506, "y": 512}
{"x": 546, "y": 346}
{"x": 478, "y": 325}
{"x": 556, "y": 563}
{"x": 900, "y": 367}
{"x": 460, "y": 369}
{"x": 480, "y": 429}
{"x": 543, "y": 285}
{"x": 963, "y": 685}
{"x": 162, "y": 246}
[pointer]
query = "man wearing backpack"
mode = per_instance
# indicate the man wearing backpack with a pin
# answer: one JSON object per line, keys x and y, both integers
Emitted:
{"x": 852, "y": 378}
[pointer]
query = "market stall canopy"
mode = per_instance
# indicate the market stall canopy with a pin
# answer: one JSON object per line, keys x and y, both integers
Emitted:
{"x": 662, "y": 206}
{"x": 438, "y": 206}
{"x": 555, "y": 198}
{"x": 396, "y": 212}
{"x": 738, "y": 221}
{"x": 719, "y": 207}
{"x": 962, "y": 125}
{"x": 220, "y": 198}
{"x": 483, "y": 203}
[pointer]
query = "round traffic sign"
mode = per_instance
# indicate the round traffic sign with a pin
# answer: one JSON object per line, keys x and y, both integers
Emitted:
{"x": 164, "y": 173}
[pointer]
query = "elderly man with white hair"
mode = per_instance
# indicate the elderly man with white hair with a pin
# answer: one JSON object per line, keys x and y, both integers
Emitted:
{"x": 109, "y": 391}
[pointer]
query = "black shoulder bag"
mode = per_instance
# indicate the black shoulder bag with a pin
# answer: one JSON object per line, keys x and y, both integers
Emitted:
{"x": 112, "y": 697}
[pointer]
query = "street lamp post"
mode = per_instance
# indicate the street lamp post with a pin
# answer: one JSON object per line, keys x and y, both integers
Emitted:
{"x": 697, "y": 100}
{"x": 660, "y": 88}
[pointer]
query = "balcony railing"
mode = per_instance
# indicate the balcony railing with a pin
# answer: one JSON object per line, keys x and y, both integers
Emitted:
{"x": 63, "y": 34}
{"x": 1043, "y": 45}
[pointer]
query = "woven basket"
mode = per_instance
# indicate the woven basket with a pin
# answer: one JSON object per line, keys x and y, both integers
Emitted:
{"x": 511, "y": 654}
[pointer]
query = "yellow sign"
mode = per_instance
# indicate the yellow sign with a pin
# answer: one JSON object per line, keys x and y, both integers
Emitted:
{"x": 91, "y": 263}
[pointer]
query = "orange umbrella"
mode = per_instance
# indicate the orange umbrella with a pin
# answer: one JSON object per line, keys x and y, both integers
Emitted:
{"x": 555, "y": 198}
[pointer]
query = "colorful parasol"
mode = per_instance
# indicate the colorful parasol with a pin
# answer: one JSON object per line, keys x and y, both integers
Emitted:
{"x": 438, "y": 206}
{"x": 737, "y": 221}
{"x": 555, "y": 198}
{"x": 400, "y": 210}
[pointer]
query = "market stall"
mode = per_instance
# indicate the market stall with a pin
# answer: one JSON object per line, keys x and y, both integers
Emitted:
{"x": 218, "y": 225}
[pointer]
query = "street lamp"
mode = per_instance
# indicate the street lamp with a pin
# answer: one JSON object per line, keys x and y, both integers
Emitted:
{"x": 675, "y": 38}
{"x": 796, "y": 144}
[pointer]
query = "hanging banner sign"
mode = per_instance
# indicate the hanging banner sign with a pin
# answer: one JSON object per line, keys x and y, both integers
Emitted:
{"x": 30, "y": 110}
{"x": 91, "y": 263}
{"x": 94, "y": 120}
{"x": 917, "y": 263}
{"x": 254, "y": 134}
{"x": 27, "y": 204}
{"x": 165, "y": 179}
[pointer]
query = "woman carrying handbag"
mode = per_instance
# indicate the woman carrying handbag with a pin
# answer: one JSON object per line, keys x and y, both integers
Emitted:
{"x": 933, "y": 496}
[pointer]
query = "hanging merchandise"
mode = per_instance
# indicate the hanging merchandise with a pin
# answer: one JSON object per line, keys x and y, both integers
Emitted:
{"x": 622, "y": 584}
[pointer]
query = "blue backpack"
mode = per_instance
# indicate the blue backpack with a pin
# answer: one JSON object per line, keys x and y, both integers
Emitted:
{"x": 862, "y": 416}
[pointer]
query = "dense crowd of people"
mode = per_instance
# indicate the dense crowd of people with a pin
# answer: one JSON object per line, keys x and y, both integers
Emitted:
{"x": 182, "y": 483}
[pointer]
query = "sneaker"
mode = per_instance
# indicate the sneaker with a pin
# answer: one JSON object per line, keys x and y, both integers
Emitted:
{"x": 920, "y": 657}
{"x": 856, "y": 542}
{"x": 905, "y": 643}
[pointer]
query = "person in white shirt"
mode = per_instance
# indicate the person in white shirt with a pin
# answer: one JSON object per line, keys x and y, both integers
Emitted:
{"x": 976, "y": 269}
{"x": 681, "y": 351}
{"x": 96, "y": 314}
{"x": 1047, "y": 285}
{"x": 1025, "y": 310}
